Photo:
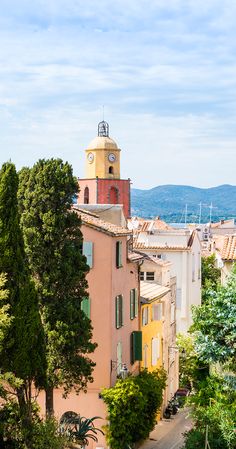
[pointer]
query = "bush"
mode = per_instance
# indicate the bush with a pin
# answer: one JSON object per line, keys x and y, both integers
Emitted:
{"x": 132, "y": 405}
{"x": 42, "y": 434}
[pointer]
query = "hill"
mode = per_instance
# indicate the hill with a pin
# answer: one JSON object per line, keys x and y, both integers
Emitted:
{"x": 169, "y": 202}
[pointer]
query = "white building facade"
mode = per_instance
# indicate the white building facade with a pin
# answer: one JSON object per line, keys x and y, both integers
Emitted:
{"x": 183, "y": 249}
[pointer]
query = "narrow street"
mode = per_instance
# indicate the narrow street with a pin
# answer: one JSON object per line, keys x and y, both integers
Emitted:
{"x": 168, "y": 433}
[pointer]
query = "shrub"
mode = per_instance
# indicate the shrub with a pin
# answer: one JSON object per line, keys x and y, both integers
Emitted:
{"x": 132, "y": 405}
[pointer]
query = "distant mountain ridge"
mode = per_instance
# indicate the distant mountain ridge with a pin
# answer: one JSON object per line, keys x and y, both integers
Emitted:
{"x": 169, "y": 202}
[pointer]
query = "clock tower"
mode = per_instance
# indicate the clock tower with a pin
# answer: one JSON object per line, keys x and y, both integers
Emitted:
{"x": 102, "y": 184}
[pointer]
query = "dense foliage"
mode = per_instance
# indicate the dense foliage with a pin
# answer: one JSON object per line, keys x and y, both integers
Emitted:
{"x": 168, "y": 201}
{"x": 214, "y": 406}
{"x": 210, "y": 276}
{"x": 214, "y": 401}
{"x": 215, "y": 325}
{"x": 191, "y": 369}
{"x": 132, "y": 405}
{"x": 53, "y": 242}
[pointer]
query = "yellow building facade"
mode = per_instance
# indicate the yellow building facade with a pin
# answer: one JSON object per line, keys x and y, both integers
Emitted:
{"x": 152, "y": 312}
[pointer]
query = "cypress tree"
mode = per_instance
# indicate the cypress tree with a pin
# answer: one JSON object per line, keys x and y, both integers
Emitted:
{"x": 22, "y": 350}
{"x": 53, "y": 242}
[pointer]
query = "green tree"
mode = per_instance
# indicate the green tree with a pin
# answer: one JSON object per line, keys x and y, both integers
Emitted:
{"x": 191, "y": 369}
{"x": 132, "y": 405}
{"x": 210, "y": 275}
{"x": 214, "y": 325}
{"x": 53, "y": 242}
{"x": 5, "y": 319}
{"x": 22, "y": 354}
{"x": 214, "y": 405}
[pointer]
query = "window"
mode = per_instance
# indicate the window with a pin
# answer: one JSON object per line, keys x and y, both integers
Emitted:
{"x": 150, "y": 276}
{"x": 145, "y": 316}
{"x": 85, "y": 306}
{"x": 111, "y": 171}
{"x": 199, "y": 266}
{"x": 147, "y": 276}
{"x": 88, "y": 252}
{"x": 172, "y": 313}
{"x": 145, "y": 356}
{"x": 178, "y": 298}
{"x": 119, "y": 357}
{"x": 113, "y": 195}
{"x": 133, "y": 303}
{"x": 193, "y": 267}
{"x": 155, "y": 350}
{"x": 86, "y": 195}
{"x": 136, "y": 346}
{"x": 157, "y": 312}
{"x": 118, "y": 254}
{"x": 119, "y": 311}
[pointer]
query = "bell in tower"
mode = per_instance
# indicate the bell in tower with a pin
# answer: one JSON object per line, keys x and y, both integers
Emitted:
{"x": 103, "y": 129}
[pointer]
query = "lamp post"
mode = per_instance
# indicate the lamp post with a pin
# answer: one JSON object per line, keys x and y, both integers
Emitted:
{"x": 123, "y": 370}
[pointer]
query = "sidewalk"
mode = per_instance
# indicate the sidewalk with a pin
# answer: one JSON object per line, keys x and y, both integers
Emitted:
{"x": 168, "y": 432}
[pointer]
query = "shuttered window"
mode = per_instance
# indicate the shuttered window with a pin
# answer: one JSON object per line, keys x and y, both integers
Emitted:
{"x": 119, "y": 311}
{"x": 155, "y": 350}
{"x": 132, "y": 303}
{"x": 145, "y": 316}
{"x": 156, "y": 312}
{"x": 135, "y": 302}
{"x": 118, "y": 254}
{"x": 88, "y": 252}
{"x": 85, "y": 306}
{"x": 136, "y": 346}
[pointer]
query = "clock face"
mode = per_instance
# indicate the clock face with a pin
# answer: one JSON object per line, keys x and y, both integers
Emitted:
{"x": 90, "y": 157}
{"x": 111, "y": 157}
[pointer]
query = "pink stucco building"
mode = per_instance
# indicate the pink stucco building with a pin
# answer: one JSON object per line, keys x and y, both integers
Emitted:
{"x": 113, "y": 307}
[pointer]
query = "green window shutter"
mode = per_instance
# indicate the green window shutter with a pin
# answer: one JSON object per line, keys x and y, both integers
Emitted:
{"x": 122, "y": 310}
{"x": 136, "y": 346}
{"x": 135, "y": 302}
{"x": 132, "y": 304}
{"x": 119, "y": 311}
{"x": 85, "y": 306}
{"x": 88, "y": 252}
{"x": 118, "y": 254}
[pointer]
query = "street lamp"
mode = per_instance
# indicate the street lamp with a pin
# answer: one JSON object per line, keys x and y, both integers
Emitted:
{"x": 123, "y": 371}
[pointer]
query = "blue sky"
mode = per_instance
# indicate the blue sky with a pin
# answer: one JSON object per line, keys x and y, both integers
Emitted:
{"x": 165, "y": 71}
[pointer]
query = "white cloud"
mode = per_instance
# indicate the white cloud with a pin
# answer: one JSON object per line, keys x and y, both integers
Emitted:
{"x": 164, "y": 70}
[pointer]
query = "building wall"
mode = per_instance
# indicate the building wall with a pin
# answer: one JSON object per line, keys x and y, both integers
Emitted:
{"x": 100, "y": 165}
{"x": 105, "y": 282}
{"x": 188, "y": 292}
{"x": 100, "y": 192}
{"x": 92, "y": 186}
{"x": 153, "y": 329}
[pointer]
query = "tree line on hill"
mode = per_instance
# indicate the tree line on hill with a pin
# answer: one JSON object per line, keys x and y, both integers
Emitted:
{"x": 169, "y": 202}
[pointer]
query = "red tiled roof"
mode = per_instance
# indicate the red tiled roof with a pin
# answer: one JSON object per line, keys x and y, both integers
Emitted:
{"x": 141, "y": 245}
{"x": 228, "y": 251}
{"x": 93, "y": 221}
{"x": 135, "y": 257}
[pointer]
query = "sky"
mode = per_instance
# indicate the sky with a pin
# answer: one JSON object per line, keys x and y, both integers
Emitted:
{"x": 165, "y": 72}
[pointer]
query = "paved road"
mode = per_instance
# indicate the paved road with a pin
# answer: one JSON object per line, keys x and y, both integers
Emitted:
{"x": 168, "y": 433}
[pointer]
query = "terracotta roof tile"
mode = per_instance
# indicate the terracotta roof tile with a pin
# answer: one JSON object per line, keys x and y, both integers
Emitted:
{"x": 135, "y": 257}
{"x": 228, "y": 251}
{"x": 141, "y": 245}
{"x": 150, "y": 291}
{"x": 93, "y": 221}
